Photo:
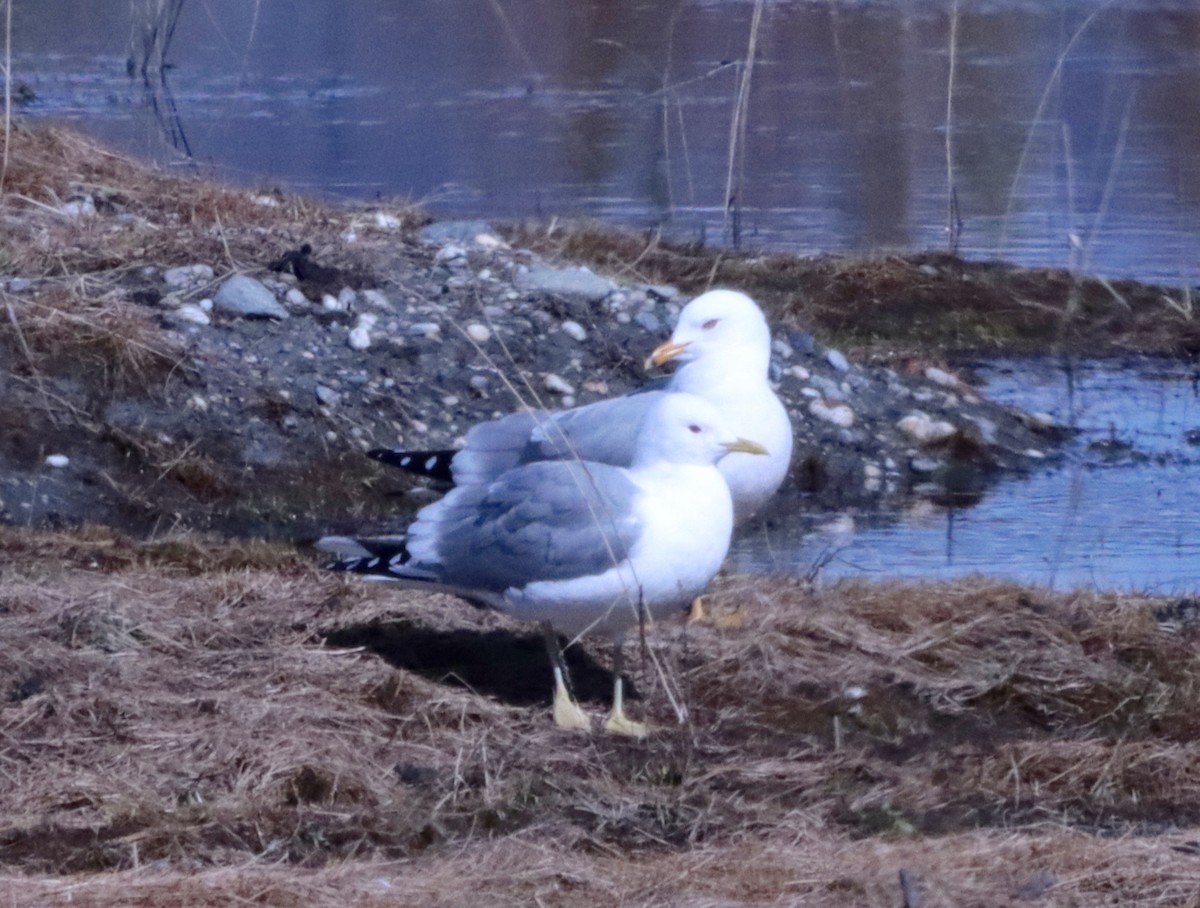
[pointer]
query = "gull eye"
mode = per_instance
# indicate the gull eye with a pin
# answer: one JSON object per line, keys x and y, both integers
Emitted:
{"x": 710, "y": 324}
{"x": 694, "y": 429}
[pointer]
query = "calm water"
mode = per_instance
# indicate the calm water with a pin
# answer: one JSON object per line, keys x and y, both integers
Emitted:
{"x": 1122, "y": 515}
{"x": 1074, "y": 124}
{"x": 1074, "y": 134}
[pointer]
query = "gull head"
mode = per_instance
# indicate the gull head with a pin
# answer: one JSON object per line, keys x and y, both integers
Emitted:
{"x": 685, "y": 429}
{"x": 723, "y": 327}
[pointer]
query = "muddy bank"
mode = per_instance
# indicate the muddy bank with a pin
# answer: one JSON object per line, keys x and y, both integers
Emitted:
{"x": 383, "y": 329}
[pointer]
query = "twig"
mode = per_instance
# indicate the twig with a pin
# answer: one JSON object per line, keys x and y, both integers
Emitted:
{"x": 908, "y": 889}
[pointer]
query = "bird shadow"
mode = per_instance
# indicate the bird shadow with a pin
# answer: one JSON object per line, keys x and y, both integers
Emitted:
{"x": 513, "y": 668}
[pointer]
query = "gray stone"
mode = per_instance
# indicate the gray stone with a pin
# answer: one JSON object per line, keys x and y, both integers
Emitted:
{"x": 649, "y": 321}
{"x": 838, "y": 360}
{"x": 573, "y": 283}
{"x": 18, "y": 285}
{"x": 187, "y": 275}
{"x": 244, "y": 296}
{"x": 443, "y": 232}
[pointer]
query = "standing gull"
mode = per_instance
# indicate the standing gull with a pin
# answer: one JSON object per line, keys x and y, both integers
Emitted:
{"x": 581, "y": 547}
{"x": 722, "y": 346}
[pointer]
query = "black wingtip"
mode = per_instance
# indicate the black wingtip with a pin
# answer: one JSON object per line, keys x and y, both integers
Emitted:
{"x": 431, "y": 464}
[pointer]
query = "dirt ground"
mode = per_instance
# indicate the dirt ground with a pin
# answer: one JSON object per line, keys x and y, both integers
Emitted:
{"x": 194, "y": 719}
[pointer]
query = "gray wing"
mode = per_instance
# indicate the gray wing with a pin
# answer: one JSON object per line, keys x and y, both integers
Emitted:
{"x": 603, "y": 432}
{"x": 552, "y": 520}
{"x": 493, "y": 448}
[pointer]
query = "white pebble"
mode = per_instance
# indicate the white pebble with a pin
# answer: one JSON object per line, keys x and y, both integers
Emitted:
{"x": 331, "y": 303}
{"x": 557, "y": 384}
{"x": 489, "y": 242}
{"x": 57, "y": 460}
{"x": 450, "y": 253}
{"x": 359, "y": 338}
{"x": 425, "y": 329}
{"x": 295, "y": 297}
{"x": 386, "y": 221}
{"x": 922, "y": 428}
{"x": 190, "y": 312}
{"x": 574, "y": 330}
{"x": 941, "y": 377}
{"x": 479, "y": 333}
{"x": 838, "y": 360}
{"x": 838, "y": 414}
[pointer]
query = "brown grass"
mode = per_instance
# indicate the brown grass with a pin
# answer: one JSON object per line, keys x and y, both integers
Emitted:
{"x": 895, "y": 305}
{"x": 173, "y": 730}
{"x": 162, "y": 218}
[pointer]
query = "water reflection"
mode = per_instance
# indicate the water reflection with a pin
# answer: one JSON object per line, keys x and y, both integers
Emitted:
{"x": 1122, "y": 515}
{"x": 1073, "y": 126}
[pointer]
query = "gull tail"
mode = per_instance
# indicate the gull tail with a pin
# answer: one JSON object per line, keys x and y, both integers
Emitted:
{"x": 433, "y": 464}
{"x": 374, "y": 557}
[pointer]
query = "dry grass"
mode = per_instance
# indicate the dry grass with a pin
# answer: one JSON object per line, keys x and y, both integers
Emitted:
{"x": 161, "y": 218}
{"x": 896, "y": 305}
{"x": 174, "y": 730}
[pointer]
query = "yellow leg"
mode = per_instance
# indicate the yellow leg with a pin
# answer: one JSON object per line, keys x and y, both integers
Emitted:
{"x": 618, "y": 723}
{"x": 567, "y": 713}
{"x": 696, "y": 613}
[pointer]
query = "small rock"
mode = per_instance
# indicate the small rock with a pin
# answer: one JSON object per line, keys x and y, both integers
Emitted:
{"x": 187, "y": 275}
{"x": 576, "y": 283}
{"x": 480, "y": 334}
{"x": 574, "y": 330}
{"x": 331, "y": 303}
{"x": 58, "y": 461}
{"x": 18, "y": 285}
{"x": 347, "y": 297}
{"x": 244, "y": 296}
{"x": 442, "y": 232}
{"x": 798, "y": 372}
{"x": 480, "y": 384}
{"x": 425, "y": 329}
{"x": 326, "y": 396}
{"x": 922, "y": 428}
{"x": 924, "y": 465}
{"x": 838, "y": 414}
{"x": 450, "y": 253}
{"x": 662, "y": 291}
{"x": 295, "y": 298}
{"x": 79, "y": 208}
{"x": 942, "y": 377}
{"x": 488, "y": 242}
{"x": 385, "y": 221}
{"x": 190, "y": 312}
{"x": 838, "y": 360}
{"x": 359, "y": 338}
{"x": 557, "y": 384}
{"x": 649, "y": 321}
{"x": 375, "y": 299}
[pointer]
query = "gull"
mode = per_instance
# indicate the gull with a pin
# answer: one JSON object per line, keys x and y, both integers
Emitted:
{"x": 722, "y": 347}
{"x": 580, "y": 547}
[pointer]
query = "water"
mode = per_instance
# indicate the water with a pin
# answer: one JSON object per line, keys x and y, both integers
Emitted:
{"x": 1074, "y": 132}
{"x": 1121, "y": 515}
{"x": 1074, "y": 123}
